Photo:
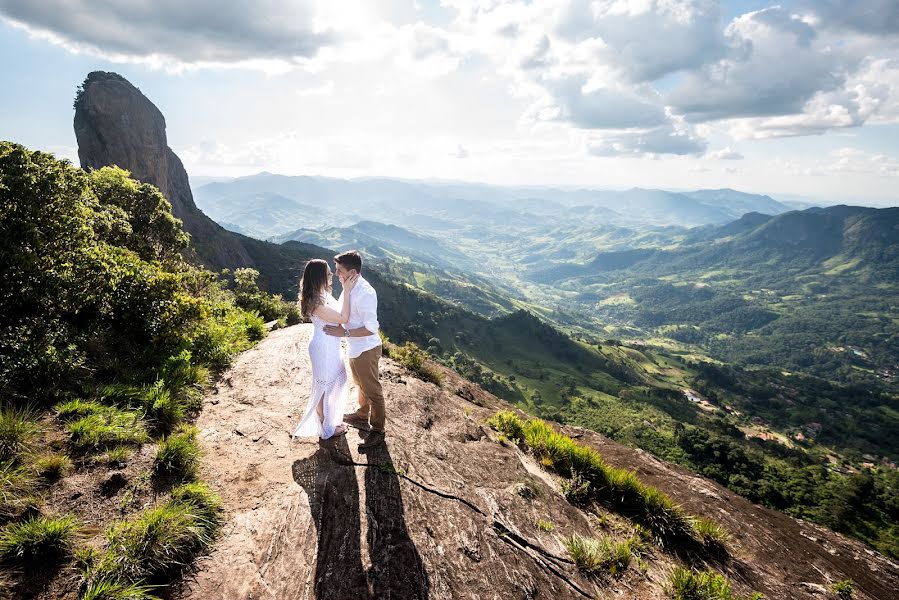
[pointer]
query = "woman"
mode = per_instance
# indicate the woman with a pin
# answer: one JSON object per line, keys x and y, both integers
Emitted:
{"x": 329, "y": 380}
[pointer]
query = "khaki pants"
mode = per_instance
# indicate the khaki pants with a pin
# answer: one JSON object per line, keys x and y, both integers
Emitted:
{"x": 371, "y": 399}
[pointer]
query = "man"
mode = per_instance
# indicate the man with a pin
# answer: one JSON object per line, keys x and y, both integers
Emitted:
{"x": 363, "y": 348}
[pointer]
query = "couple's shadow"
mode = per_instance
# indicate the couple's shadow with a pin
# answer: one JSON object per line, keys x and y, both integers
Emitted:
{"x": 329, "y": 479}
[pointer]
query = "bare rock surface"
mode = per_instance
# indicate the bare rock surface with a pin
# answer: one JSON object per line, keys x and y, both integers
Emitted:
{"x": 446, "y": 510}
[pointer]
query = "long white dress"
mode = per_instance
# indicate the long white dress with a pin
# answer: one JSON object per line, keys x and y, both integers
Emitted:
{"x": 329, "y": 380}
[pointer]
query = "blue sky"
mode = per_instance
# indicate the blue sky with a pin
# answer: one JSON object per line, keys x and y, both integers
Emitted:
{"x": 798, "y": 98}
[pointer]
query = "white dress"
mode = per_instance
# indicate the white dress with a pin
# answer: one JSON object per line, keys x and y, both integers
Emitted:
{"x": 329, "y": 380}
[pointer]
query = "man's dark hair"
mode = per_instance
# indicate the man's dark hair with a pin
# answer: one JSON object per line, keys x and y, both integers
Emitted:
{"x": 350, "y": 260}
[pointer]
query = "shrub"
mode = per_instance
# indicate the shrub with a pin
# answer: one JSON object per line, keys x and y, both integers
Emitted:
{"x": 37, "y": 538}
{"x": 596, "y": 555}
{"x": 576, "y": 489}
{"x": 843, "y": 589}
{"x": 544, "y": 525}
{"x": 508, "y": 423}
{"x": 53, "y": 466}
{"x": 415, "y": 359}
{"x": 18, "y": 428}
{"x": 179, "y": 454}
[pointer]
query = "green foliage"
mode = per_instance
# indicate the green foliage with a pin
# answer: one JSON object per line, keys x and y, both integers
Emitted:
{"x": 179, "y": 453}
{"x": 415, "y": 359}
{"x": 17, "y": 486}
{"x": 843, "y": 589}
{"x": 710, "y": 534}
{"x": 18, "y": 429}
{"x": 108, "y": 589}
{"x": 94, "y": 287}
{"x": 158, "y": 542}
{"x": 509, "y": 424}
{"x": 37, "y": 538}
{"x": 544, "y": 525}
{"x": 205, "y": 502}
{"x": 53, "y": 466}
{"x": 108, "y": 426}
{"x": 270, "y": 307}
{"x": 685, "y": 584}
{"x": 576, "y": 489}
{"x": 598, "y": 555}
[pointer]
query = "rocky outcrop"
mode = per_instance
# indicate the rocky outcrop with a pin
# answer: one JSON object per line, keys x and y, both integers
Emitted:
{"x": 115, "y": 124}
{"x": 448, "y": 509}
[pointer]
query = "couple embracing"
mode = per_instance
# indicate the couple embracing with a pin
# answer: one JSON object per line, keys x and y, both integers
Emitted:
{"x": 354, "y": 316}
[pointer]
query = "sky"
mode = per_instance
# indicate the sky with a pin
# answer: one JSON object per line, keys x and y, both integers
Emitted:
{"x": 797, "y": 100}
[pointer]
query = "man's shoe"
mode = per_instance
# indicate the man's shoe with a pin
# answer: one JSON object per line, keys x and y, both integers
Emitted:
{"x": 375, "y": 438}
{"x": 356, "y": 420}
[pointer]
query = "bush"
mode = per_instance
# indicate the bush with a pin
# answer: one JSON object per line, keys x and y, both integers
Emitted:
{"x": 107, "y": 589}
{"x": 179, "y": 454}
{"x": 37, "y": 538}
{"x": 414, "y": 358}
{"x": 508, "y": 423}
{"x": 843, "y": 589}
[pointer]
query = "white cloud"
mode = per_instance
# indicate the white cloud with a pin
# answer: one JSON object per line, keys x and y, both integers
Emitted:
{"x": 325, "y": 89}
{"x": 726, "y": 153}
{"x": 652, "y": 142}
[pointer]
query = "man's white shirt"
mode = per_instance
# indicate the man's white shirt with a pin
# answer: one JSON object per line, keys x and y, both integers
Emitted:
{"x": 363, "y": 313}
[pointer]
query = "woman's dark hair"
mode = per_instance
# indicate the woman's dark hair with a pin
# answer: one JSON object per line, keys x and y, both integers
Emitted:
{"x": 313, "y": 284}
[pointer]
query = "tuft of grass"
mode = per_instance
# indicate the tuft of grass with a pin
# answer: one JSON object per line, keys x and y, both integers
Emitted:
{"x": 116, "y": 456}
{"x": 37, "y": 538}
{"x": 78, "y": 408}
{"x": 507, "y": 423}
{"x": 710, "y": 534}
{"x": 415, "y": 359}
{"x": 18, "y": 427}
{"x": 201, "y": 497}
{"x": 108, "y": 589}
{"x": 164, "y": 407}
{"x": 17, "y": 487}
{"x": 843, "y": 589}
{"x": 53, "y": 466}
{"x": 161, "y": 540}
{"x": 108, "y": 427}
{"x": 588, "y": 476}
{"x": 686, "y": 584}
{"x": 545, "y": 525}
{"x": 179, "y": 453}
{"x": 598, "y": 555}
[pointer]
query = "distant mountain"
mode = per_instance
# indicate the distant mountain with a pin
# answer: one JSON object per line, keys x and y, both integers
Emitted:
{"x": 439, "y": 207}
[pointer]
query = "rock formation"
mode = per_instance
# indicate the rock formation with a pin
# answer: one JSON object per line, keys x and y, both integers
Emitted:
{"x": 115, "y": 124}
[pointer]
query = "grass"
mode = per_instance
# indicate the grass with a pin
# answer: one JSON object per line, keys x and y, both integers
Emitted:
{"x": 37, "y": 538}
{"x": 596, "y": 556}
{"x": 53, "y": 466}
{"x": 17, "y": 487}
{"x": 588, "y": 476}
{"x": 710, "y": 534}
{"x": 159, "y": 541}
{"x": 415, "y": 359}
{"x": 843, "y": 589}
{"x": 686, "y": 584}
{"x": 18, "y": 428}
{"x": 544, "y": 525}
{"x": 163, "y": 407}
{"x": 107, "y": 589}
{"x": 179, "y": 453}
{"x": 96, "y": 425}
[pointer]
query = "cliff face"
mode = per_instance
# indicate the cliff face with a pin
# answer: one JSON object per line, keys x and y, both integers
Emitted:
{"x": 115, "y": 124}
{"x": 448, "y": 509}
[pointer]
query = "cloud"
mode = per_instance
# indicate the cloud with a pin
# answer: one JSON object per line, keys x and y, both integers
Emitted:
{"x": 600, "y": 108}
{"x": 773, "y": 67}
{"x": 727, "y": 153}
{"x": 879, "y": 17}
{"x": 459, "y": 152}
{"x": 206, "y": 31}
{"x": 645, "y": 40}
{"x": 324, "y": 89}
{"x": 655, "y": 141}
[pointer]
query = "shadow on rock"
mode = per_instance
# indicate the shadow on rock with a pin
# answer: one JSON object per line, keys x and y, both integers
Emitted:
{"x": 334, "y": 503}
{"x": 397, "y": 571}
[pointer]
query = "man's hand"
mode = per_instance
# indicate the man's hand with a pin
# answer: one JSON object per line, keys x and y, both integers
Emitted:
{"x": 335, "y": 330}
